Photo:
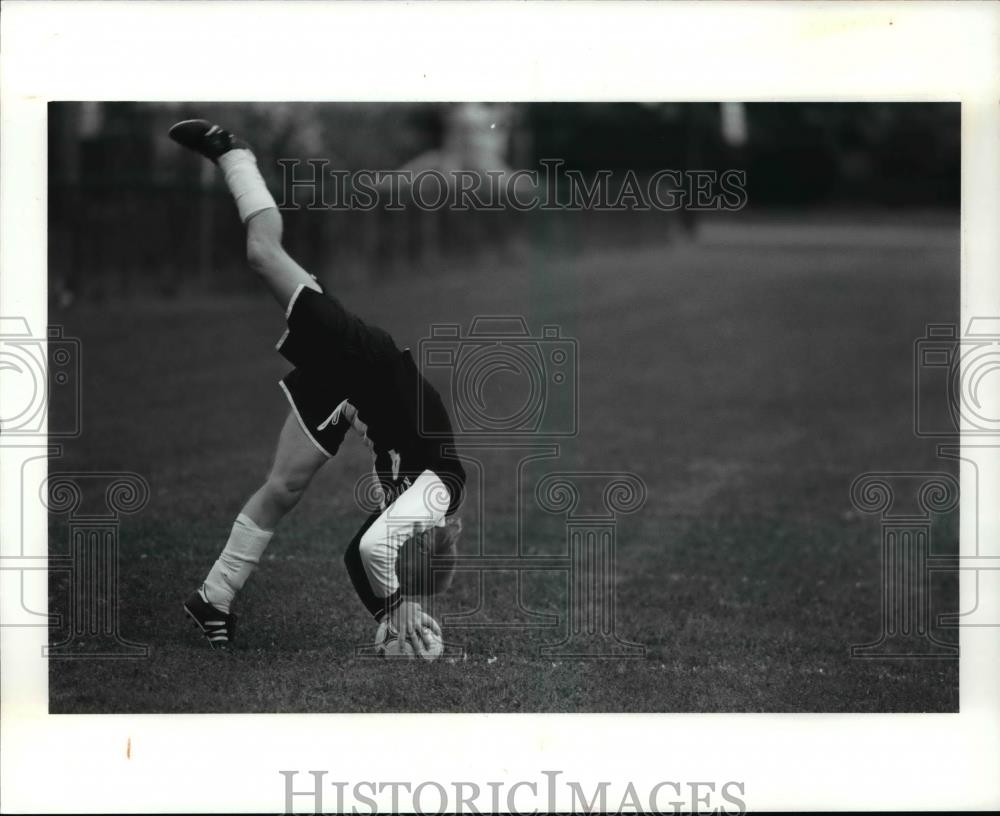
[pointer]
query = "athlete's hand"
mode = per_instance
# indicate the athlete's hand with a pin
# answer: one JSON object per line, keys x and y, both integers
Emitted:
{"x": 411, "y": 622}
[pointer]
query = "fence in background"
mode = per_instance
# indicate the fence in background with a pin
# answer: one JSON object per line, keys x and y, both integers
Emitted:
{"x": 129, "y": 212}
{"x": 170, "y": 240}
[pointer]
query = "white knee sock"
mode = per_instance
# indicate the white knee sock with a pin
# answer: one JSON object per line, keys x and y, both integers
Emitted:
{"x": 238, "y": 560}
{"x": 239, "y": 167}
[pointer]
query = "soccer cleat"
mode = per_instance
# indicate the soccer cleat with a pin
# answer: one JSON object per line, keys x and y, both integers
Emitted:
{"x": 205, "y": 138}
{"x": 218, "y": 627}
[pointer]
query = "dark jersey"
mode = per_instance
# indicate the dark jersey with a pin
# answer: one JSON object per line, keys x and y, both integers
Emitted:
{"x": 337, "y": 358}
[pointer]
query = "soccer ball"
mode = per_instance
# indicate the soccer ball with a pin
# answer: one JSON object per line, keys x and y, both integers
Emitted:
{"x": 389, "y": 644}
{"x": 435, "y": 650}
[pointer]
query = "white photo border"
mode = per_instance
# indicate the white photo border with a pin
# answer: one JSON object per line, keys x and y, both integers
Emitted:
{"x": 243, "y": 51}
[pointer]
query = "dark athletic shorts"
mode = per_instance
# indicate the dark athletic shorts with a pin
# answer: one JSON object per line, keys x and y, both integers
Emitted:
{"x": 313, "y": 400}
{"x": 336, "y": 354}
{"x": 332, "y": 350}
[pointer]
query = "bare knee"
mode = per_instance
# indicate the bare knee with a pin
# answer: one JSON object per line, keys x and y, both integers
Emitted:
{"x": 264, "y": 248}
{"x": 263, "y": 252}
{"x": 285, "y": 490}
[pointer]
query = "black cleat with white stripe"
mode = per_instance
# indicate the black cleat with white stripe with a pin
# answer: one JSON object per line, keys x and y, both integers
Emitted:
{"x": 203, "y": 137}
{"x": 218, "y": 627}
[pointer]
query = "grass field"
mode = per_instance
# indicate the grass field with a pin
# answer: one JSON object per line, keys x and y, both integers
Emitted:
{"x": 747, "y": 380}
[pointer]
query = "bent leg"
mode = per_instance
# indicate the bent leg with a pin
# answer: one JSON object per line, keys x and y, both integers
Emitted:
{"x": 254, "y": 203}
{"x": 268, "y": 258}
{"x": 296, "y": 461}
{"x": 257, "y": 210}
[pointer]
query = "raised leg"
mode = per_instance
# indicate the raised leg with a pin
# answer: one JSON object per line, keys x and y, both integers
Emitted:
{"x": 279, "y": 272}
{"x": 267, "y": 257}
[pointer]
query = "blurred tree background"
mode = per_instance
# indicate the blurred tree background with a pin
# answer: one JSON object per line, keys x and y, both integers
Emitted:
{"x": 130, "y": 212}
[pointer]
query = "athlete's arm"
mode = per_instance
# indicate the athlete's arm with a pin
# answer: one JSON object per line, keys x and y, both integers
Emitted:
{"x": 377, "y": 605}
{"x": 406, "y": 616}
{"x": 372, "y": 555}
